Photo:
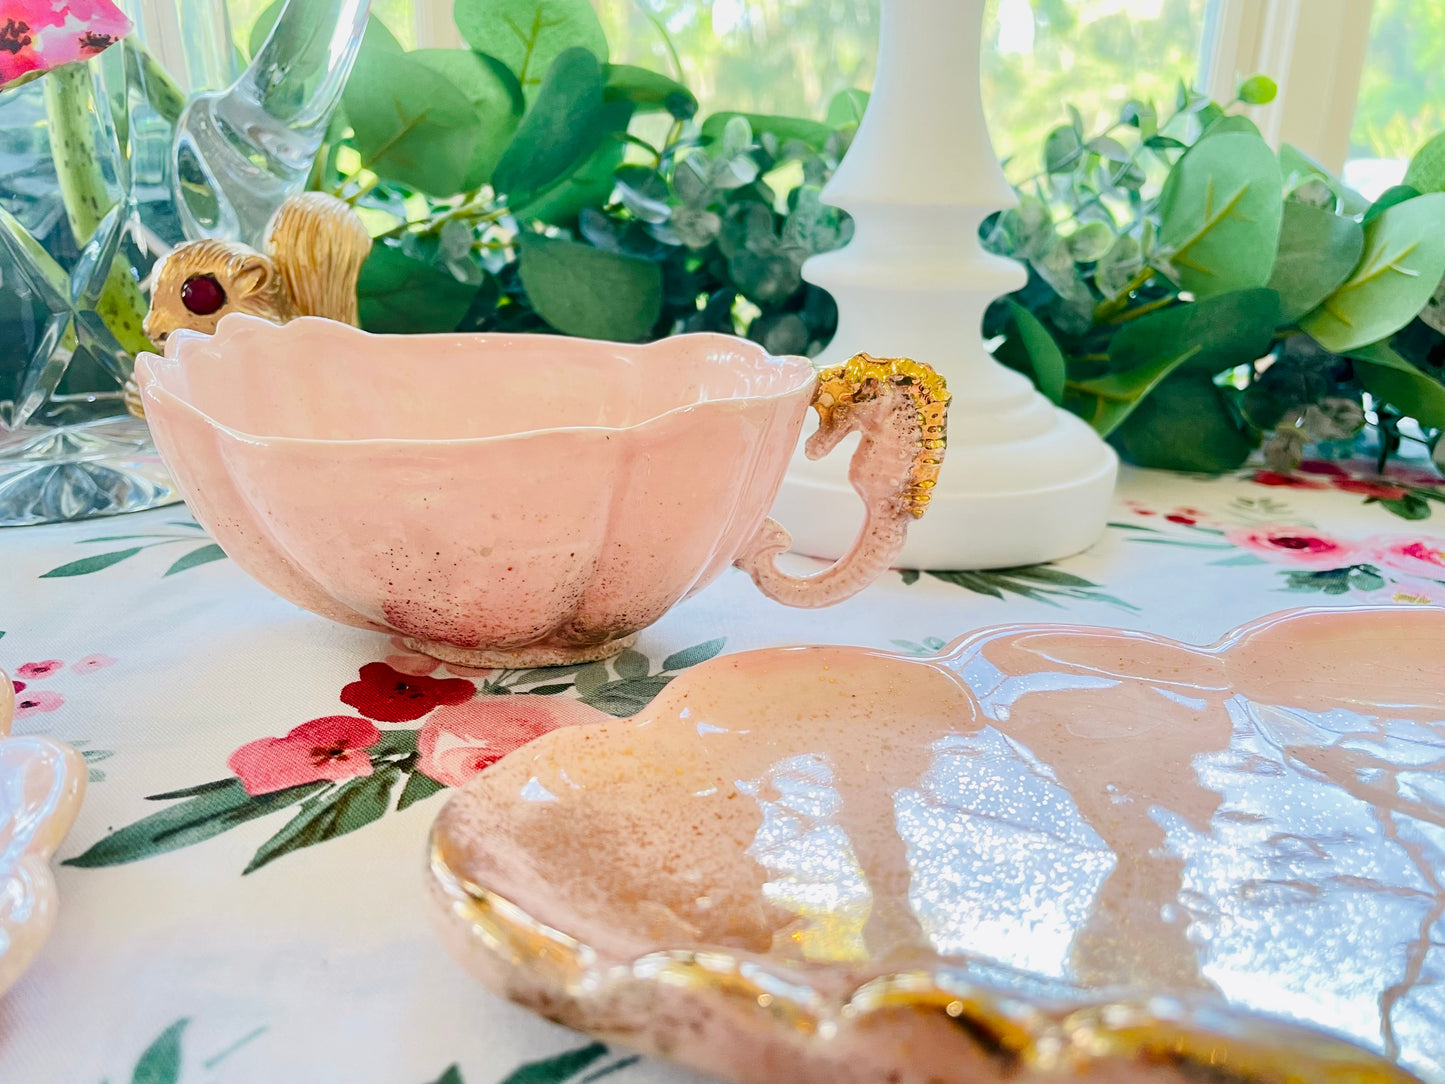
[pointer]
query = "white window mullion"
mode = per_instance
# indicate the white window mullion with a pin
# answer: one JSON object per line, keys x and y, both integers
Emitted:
{"x": 1314, "y": 49}
{"x": 435, "y": 27}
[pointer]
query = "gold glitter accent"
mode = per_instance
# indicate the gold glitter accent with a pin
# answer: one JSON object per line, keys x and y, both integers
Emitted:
{"x": 863, "y": 378}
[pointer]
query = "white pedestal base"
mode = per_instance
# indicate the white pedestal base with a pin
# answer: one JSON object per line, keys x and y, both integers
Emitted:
{"x": 998, "y": 504}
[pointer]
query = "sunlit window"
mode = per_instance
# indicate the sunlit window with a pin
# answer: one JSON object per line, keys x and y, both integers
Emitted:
{"x": 793, "y": 56}
{"x": 1402, "y": 92}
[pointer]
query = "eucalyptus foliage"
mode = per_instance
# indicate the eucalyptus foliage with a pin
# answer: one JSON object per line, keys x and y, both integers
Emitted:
{"x": 528, "y": 184}
{"x": 1193, "y": 294}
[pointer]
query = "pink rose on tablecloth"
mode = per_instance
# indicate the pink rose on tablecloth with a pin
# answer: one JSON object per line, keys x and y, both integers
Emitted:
{"x": 333, "y": 747}
{"x": 32, "y": 703}
{"x": 1413, "y": 556}
{"x": 392, "y": 696}
{"x": 36, "y": 670}
{"x": 1303, "y": 547}
{"x": 37, "y": 35}
{"x": 91, "y": 663}
{"x": 458, "y": 742}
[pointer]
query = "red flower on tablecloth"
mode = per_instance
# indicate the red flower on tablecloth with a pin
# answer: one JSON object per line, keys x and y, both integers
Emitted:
{"x": 1289, "y": 481}
{"x": 458, "y": 742}
{"x": 1413, "y": 556}
{"x": 37, "y": 35}
{"x": 1323, "y": 466}
{"x": 18, "y": 686}
{"x": 32, "y": 703}
{"x": 1303, "y": 547}
{"x": 1375, "y": 488}
{"x": 37, "y": 670}
{"x": 333, "y": 747}
{"x": 391, "y": 696}
{"x": 91, "y": 663}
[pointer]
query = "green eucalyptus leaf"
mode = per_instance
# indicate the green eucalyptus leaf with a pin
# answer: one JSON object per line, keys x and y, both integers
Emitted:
{"x": 1228, "y": 330}
{"x": 1403, "y": 264}
{"x": 648, "y": 91}
{"x": 588, "y": 185}
{"x": 644, "y": 192}
{"x": 1185, "y": 425}
{"x": 1143, "y": 116}
{"x": 1062, "y": 149}
{"x": 495, "y": 104}
{"x": 411, "y": 124}
{"x": 1258, "y": 90}
{"x": 1091, "y": 242}
{"x": 1389, "y": 198}
{"x": 810, "y": 132}
{"x": 401, "y": 296}
{"x": 1407, "y": 388}
{"x": 1108, "y": 401}
{"x": 846, "y": 108}
{"x": 1109, "y": 148}
{"x": 1231, "y": 124}
{"x": 1427, "y": 168}
{"x": 1117, "y": 267}
{"x": 1044, "y": 354}
{"x": 583, "y": 291}
{"x": 1222, "y": 209}
{"x": 1317, "y": 252}
{"x": 567, "y": 123}
{"x": 529, "y": 35}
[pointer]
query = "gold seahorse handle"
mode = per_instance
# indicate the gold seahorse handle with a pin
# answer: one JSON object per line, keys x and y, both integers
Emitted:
{"x": 901, "y": 408}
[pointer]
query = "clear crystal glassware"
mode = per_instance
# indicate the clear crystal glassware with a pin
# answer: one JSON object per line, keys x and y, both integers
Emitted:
{"x": 77, "y": 146}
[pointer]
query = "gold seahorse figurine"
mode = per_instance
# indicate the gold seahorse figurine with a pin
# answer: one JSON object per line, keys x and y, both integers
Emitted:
{"x": 315, "y": 246}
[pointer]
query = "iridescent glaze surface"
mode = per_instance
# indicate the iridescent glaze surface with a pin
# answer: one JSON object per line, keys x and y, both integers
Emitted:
{"x": 41, "y": 785}
{"x": 1050, "y": 853}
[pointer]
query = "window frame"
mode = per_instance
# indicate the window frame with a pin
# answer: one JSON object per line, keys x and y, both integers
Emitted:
{"x": 1314, "y": 49}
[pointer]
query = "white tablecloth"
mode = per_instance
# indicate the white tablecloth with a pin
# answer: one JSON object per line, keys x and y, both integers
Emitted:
{"x": 135, "y": 640}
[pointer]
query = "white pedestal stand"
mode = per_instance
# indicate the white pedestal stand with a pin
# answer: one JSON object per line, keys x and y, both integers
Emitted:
{"x": 1023, "y": 481}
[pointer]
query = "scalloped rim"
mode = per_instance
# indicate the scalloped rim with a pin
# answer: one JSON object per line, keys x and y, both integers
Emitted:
{"x": 150, "y": 371}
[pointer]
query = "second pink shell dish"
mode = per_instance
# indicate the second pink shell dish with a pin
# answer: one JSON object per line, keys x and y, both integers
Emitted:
{"x": 1049, "y": 854}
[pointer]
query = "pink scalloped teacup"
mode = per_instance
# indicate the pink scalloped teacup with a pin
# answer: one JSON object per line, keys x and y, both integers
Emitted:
{"x": 522, "y": 499}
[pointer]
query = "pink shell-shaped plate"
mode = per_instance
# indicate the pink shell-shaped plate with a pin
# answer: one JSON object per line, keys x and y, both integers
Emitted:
{"x": 1049, "y": 854}
{"x": 41, "y": 786}
{"x": 481, "y": 491}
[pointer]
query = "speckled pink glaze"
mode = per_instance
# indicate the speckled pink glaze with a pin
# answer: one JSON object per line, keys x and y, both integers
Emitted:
{"x": 1050, "y": 854}
{"x": 41, "y": 785}
{"x": 496, "y": 499}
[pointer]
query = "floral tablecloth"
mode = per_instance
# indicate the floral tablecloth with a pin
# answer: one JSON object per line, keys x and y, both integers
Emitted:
{"x": 242, "y": 896}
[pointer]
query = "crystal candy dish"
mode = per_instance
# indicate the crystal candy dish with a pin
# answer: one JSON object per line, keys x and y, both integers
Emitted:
{"x": 1048, "y": 854}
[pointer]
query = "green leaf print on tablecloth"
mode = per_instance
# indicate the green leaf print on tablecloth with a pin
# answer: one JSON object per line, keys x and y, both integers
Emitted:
{"x": 99, "y": 562}
{"x": 1041, "y": 583}
{"x": 163, "y": 1062}
{"x": 339, "y": 773}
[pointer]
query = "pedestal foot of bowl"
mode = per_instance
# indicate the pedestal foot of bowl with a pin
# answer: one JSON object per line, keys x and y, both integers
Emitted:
{"x": 544, "y": 654}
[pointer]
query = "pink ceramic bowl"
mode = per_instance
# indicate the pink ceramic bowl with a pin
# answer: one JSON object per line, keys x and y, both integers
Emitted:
{"x": 507, "y": 500}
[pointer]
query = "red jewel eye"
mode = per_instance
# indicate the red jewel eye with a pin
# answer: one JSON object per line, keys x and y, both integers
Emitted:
{"x": 202, "y": 294}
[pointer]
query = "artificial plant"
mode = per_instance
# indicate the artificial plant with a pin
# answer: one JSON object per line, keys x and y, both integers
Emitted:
{"x": 527, "y": 184}
{"x": 1193, "y": 294}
